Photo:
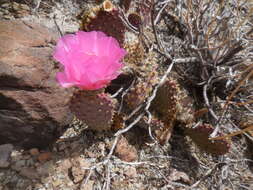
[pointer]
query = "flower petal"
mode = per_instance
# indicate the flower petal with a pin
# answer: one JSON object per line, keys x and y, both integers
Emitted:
{"x": 63, "y": 80}
{"x": 90, "y": 59}
{"x": 63, "y": 47}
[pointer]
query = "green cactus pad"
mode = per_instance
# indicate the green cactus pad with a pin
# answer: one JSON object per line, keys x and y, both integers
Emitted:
{"x": 96, "y": 110}
{"x": 200, "y": 135}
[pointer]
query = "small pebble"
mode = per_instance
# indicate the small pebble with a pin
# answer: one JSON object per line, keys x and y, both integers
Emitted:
{"x": 15, "y": 6}
{"x": 131, "y": 172}
{"x": 8, "y": 17}
{"x": 34, "y": 152}
{"x": 18, "y": 165}
{"x": 45, "y": 156}
{"x": 24, "y": 7}
{"x": 88, "y": 186}
{"x": 5, "y": 152}
{"x": 29, "y": 173}
{"x": 125, "y": 151}
{"x": 5, "y": 5}
{"x": 30, "y": 162}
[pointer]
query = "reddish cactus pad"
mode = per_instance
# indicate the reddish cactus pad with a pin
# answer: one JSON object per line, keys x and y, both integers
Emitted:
{"x": 95, "y": 110}
{"x": 108, "y": 22}
{"x": 200, "y": 135}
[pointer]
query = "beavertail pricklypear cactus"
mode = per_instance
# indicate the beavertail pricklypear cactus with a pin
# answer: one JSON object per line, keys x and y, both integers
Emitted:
{"x": 96, "y": 110}
{"x": 200, "y": 135}
{"x": 172, "y": 105}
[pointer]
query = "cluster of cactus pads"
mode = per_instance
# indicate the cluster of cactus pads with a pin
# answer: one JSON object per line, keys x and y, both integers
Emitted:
{"x": 172, "y": 105}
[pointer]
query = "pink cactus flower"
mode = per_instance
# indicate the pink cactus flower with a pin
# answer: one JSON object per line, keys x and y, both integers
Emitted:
{"x": 90, "y": 60}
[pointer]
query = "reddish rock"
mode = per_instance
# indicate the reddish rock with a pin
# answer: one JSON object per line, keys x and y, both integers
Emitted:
{"x": 131, "y": 172}
{"x": 34, "y": 152}
{"x": 125, "y": 151}
{"x": 45, "y": 156}
{"x": 33, "y": 107}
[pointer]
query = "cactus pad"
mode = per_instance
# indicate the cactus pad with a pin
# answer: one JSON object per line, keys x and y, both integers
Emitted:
{"x": 95, "y": 110}
{"x": 106, "y": 20}
{"x": 165, "y": 106}
{"x": 144, "y": 65}
{"x": 137, "y": 94}
{"x": 165, "y": 102}
{"x": 200, "y": 135}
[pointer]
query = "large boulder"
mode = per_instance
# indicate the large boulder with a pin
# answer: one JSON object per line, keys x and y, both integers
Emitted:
{"x": 33, "y": 107}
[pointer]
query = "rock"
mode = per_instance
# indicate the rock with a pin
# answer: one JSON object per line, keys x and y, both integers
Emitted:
{"x": 78, "y": 170}
{"x": 16, "y": 155}
{"x": 8, "y": 17}
{"x": 91, "y": 154}
{"x": 57, "y": 182}
{"x": 25, "y": 7}
{"x": 5, "y": 152}
{"x": 33, "y": 107}
{"x": 131, "y": 172}
{"x": 45, "y": 156}
{"x": 5, "y": 5}
{"x": 30, "y": 162}
{"x": 125, "y": 151}
{"x": 34, "y": 152}
{"x": 45, "y": 169}
{"x": 15, "y": 6}
{"x": 64, "y": 165}
{"x": 177, "y": 176}
{"x": 18, "y": 165}
{"x": 29, "y": 173}
{"x": 88, "y": 186}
